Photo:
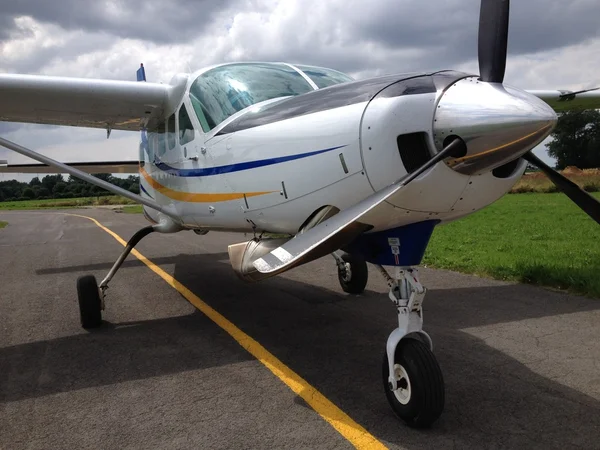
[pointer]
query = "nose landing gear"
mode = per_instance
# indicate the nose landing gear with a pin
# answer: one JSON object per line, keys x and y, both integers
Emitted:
{"x": 412, "y": 378}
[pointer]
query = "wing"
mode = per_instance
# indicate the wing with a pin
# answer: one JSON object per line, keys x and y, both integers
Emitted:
{"x": 117, "y": 105}
{"x": 88, "y": 167}
{"x": 568, "y": 100}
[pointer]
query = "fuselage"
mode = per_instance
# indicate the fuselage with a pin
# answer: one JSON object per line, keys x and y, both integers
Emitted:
{"x": 270, "y": 165}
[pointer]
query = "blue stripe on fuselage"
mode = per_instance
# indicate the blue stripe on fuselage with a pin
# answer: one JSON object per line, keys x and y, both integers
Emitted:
{"x": 236, "y": 167}
{"x": 144, "y": 190}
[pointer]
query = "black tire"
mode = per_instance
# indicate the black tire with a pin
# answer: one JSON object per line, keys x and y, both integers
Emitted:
{"x": 359, "y": 275}
{"x": 90, "y": 305}
{"x": 425, "y": 403}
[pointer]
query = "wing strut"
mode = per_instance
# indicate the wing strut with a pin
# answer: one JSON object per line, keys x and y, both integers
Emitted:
{"x": 89, "y": 178}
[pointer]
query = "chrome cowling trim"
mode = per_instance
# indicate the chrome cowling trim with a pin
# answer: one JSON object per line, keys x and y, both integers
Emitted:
{"x": 498, "y": 123}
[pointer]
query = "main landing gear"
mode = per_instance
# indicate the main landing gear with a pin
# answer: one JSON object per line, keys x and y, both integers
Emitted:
{"x": 353, "y": 272}
{"x": 412, "y": 378}
{"x": 91, "y": 296}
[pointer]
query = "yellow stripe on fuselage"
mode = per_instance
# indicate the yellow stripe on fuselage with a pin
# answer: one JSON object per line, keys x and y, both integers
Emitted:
{"x": 194, "y": 197}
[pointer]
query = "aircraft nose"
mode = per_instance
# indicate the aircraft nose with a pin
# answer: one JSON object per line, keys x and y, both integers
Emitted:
{"x": 497, "y": 123}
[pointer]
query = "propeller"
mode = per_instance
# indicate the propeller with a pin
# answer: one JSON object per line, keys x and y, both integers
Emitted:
{"x": 493, "y": 39}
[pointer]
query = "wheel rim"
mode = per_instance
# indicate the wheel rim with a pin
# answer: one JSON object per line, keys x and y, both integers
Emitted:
{"x": 404, "y": 390}
{"x": 347, "y": 275}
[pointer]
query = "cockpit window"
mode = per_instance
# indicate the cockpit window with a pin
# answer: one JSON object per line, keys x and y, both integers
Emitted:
{"x": 221, "y": 92}
{"x": 324, "y": 77}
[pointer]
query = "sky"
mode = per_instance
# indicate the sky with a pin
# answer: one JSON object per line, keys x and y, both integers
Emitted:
{"x": 553, "y": 44}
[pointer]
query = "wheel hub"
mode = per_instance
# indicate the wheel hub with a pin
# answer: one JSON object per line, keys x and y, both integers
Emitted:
{"x": 347, "y": 273}
{"x": 403, "y": 393}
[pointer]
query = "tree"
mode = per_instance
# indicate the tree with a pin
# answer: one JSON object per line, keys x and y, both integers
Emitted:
{"x": 49, "y": 181}
{"x": 59, "y": 188}
{"x": 35, "y": 181}
{"x": 44, "y": 193}
{"x": 576, "y": 140}
{"x": 28, "y": 193}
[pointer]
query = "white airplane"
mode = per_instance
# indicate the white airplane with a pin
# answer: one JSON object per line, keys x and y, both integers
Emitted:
{"x": 363, "y": 170}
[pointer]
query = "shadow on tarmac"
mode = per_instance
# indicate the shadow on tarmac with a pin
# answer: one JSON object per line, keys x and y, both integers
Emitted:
{"x": 336, "y": 343}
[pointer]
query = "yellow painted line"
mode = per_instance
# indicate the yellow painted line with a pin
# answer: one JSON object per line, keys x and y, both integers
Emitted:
{"x": 194, "y": 196}
{"x": 338, "y": 419}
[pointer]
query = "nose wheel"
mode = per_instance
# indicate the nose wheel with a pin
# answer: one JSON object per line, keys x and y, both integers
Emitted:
{"x": 419, "y": 397}
{"x": 353, "y": 273}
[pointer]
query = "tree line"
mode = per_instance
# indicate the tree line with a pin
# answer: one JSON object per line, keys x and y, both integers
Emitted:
{"x": 56, "y": 186}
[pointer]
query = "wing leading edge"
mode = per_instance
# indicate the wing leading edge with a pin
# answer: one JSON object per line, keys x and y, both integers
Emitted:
{"x": 109, "y": 104}
{"x": 567, "y": 101}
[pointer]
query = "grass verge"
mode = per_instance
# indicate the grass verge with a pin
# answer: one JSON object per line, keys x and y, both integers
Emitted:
{"x": 65, "y": 203}
{"x": 541, "y": 239}
{"x": 587, "y": 179}
{"x": 3, "y": 224}
{"x": 134, "y": 209}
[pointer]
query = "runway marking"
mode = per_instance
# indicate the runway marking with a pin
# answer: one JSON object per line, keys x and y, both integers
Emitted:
{"x": 338, "y": 419}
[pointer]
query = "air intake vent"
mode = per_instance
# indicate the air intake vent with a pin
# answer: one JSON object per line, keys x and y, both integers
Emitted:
{"x": 507, "y": 170}
{"x": 413, "y": 150}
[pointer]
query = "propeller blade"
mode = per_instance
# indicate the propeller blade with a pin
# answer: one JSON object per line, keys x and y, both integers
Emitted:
{"x": 493, "y": 39}
{"x": 585, "y": 201}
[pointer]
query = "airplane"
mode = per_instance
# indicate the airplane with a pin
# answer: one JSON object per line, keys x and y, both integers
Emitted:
{"x": 312, "y": 163}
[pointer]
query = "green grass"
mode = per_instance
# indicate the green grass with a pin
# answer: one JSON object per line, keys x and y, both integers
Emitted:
{"x": 3, "y": 224}
{"x": 65, "y": 203}
{"x": 540, "y": 239}
{"x": 134, "y": 209}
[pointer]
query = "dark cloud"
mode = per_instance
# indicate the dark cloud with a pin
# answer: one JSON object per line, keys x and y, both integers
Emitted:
{"x": 150, "y": 20}
{"x": 40, "y": 56}
{"x": 394, "y": 36}
{"x": 431, "y": 35}
{"x": 446, "y": 31}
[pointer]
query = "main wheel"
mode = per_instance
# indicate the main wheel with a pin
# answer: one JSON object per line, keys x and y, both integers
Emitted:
{"x": 419, "y": 399}
{"x": 90, "y": 305}
{"x": 353, "y": 277}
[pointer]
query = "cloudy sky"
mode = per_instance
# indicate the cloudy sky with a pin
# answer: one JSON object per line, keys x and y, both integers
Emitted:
{"x": 553, "y": 44}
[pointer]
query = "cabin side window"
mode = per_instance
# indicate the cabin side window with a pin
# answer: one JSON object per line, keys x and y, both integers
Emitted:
{"x": 186, "y": 129}
{"x": 323, "y": 77}
{"x": 157, "y": 142}
{"x": 171, "y": 131}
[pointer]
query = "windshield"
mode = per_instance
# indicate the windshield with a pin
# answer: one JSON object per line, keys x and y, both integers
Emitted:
{"x": 324, "y": 77}
{"x": 221, "y": 92}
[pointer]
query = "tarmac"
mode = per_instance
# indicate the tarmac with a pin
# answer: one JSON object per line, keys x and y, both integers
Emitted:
{"x": 521, "y": 364}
